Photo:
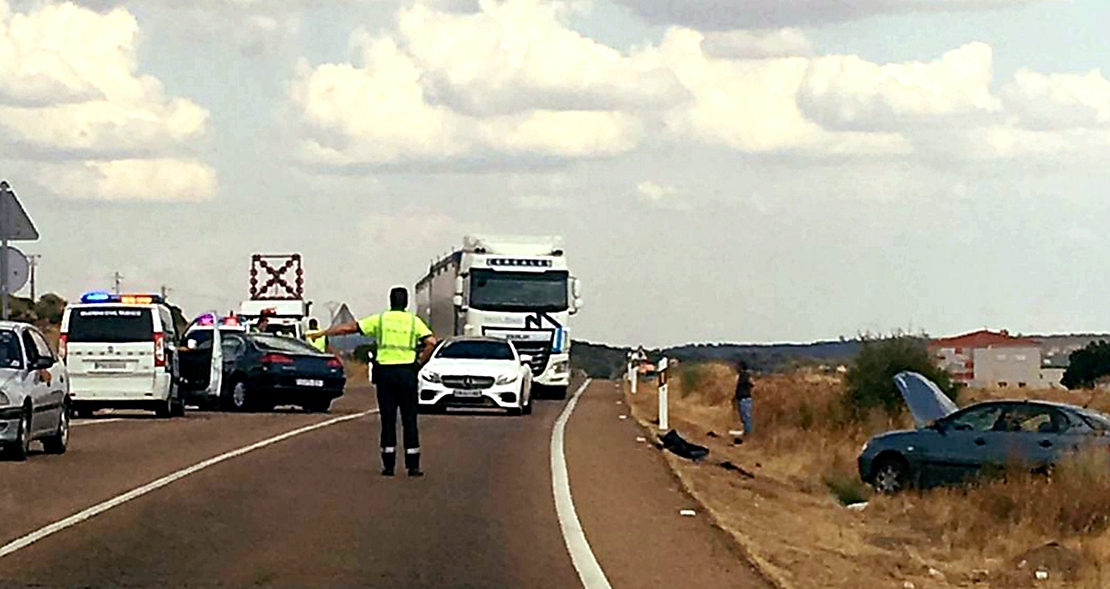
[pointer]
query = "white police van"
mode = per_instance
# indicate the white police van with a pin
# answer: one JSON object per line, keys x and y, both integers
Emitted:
{"x": 121, "y": 352}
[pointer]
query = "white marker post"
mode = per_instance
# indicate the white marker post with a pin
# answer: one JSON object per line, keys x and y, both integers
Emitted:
{"x": 633, "y": 376}
{"x": 663, "y": 425}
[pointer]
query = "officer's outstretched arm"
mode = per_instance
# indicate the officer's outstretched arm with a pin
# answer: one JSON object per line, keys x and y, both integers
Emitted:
{"x": 428, "y": 345}
{"x": 341, "y": 329}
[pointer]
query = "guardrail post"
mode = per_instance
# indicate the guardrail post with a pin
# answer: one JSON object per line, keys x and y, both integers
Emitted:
{"x": 633, "y": 377}
{"x": 663, "y": 417}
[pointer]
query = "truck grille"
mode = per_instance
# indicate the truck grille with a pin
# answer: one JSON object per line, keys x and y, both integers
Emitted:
{"x": 539, "y": 351}
{"x": 468, "y": 383}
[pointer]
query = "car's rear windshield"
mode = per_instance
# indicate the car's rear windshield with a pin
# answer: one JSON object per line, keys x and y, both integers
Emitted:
{"x": 10, "y": 355}
{"x": 114, "y": 325}
{"x": 476, "y": 350}
{"x": 274, "y": 343}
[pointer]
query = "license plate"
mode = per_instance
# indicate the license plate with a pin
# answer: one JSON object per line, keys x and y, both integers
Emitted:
{"x": 110, "y": 365}
{"x": 309, "y": 382}
{"x": 470, "y": 394}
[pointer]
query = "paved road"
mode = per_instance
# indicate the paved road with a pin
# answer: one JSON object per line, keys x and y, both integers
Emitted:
{"x": 312, "y": 510}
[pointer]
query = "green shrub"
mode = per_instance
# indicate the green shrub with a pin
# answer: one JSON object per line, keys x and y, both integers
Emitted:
{"x": 870, "y": 380}
{"x": 1087, "y": 365}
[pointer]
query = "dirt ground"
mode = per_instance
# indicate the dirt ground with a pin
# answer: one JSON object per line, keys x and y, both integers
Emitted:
{"x": 778, "y": 505}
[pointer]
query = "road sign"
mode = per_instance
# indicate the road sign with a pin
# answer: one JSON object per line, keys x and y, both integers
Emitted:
{"x": 19, "y": 269}
{"x": 276, "y": 266}
{"x": 15, "y": 225}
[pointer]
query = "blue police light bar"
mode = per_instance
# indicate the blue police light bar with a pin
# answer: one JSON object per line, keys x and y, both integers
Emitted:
{"x": 127, "y": 299}
{"x": 96, "y": 297}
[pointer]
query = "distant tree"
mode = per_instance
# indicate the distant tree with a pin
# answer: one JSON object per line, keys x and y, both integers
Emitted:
{"x": 1087, "y": 365}
{"x": 49, "y": 308}
{"x": 870, "y": 378}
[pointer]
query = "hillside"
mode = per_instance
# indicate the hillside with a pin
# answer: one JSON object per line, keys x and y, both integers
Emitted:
{"x": 604, "y": 361}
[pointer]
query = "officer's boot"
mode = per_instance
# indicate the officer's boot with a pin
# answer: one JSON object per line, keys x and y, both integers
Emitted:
{"x": 389, "y": 462}
{"x": 412, "y": 463}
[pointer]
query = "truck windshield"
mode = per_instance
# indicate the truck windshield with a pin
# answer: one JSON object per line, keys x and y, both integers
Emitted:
{"x": 518, "y": 291}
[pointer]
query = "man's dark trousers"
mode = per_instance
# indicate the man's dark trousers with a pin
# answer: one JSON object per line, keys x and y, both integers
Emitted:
{"x": 396, "y": 386}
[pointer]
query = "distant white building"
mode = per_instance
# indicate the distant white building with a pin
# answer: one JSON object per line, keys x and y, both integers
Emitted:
{"x": 990, "y": 359}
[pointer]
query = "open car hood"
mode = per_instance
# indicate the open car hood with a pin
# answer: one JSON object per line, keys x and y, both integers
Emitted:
{"x": 926, "y": 401}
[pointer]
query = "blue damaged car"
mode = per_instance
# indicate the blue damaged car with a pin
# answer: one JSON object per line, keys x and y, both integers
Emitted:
{"x": 950, "y": 445}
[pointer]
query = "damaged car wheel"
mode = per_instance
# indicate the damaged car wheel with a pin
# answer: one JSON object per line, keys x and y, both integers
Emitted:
{"x": 891, "y": 475}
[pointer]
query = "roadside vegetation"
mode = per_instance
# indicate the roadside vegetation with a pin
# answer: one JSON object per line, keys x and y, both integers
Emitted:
{"x": 810, "y": 426}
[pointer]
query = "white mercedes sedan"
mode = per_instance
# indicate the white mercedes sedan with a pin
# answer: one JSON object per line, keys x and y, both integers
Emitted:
{"x": 476, "y": 372}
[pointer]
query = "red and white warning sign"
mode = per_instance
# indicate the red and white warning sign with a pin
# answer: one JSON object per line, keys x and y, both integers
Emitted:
{"x": 276, "y": 277}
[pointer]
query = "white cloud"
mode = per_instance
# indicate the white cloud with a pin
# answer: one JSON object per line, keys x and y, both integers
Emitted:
{"x": 849, "y": 93}
{"x": 73, "y": 93}
{"x": 379, "y": 114}
{"x": 759, "y": 44}
{"x": 518, "y": 56}
{"x": 734, "y": 14}
{"x": 1056, "y": 101}
{"x": 512, "y": 82}
{"x": 146, "y": 180}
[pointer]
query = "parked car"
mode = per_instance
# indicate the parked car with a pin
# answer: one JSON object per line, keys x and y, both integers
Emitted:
{"x": 34, "y": 393}
{"x": 952, "y": 445}
{"x": 259, "y": 371}
{"x": 476, "y": 372}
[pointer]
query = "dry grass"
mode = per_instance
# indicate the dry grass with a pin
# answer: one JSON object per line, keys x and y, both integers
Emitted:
{"x": 803, "y": 453}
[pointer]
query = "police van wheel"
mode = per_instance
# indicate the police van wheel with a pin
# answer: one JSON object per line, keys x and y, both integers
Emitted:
{"x": 164, "y": 409}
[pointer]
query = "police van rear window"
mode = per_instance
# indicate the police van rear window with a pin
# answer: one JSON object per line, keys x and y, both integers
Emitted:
{"x": 113, "y": 325}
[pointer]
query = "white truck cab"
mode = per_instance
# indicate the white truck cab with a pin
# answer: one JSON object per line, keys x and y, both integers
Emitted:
{"x": 121, "y": 352}
{"x": 286, "y": 316}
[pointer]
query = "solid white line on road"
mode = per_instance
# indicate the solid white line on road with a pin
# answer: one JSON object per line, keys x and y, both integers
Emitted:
{"x": 79, "y": 423}
{"x": 589, "y": 571}
{"x": 99, "y": 508}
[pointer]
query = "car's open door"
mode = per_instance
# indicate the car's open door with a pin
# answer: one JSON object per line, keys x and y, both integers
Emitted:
{"x": 216, "y": 367}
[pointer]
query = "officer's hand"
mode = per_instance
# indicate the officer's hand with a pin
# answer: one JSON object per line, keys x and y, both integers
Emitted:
{"x": 314, "y": 334}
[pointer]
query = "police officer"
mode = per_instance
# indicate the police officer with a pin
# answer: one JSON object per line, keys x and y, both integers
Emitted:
{"x": 318, "y": 342}
{"x": 400, "y": 335}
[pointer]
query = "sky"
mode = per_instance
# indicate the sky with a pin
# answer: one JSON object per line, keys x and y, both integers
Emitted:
{"x": 720, "y": 170}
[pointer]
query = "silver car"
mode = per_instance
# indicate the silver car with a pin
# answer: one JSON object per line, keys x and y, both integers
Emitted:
{"x": 34, "y": 393}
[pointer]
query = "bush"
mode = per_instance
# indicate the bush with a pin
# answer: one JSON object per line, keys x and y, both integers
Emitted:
{"x": 870, "y": 379}
{"x": 49, "y": 308}
{"x": 1087, "y": 365}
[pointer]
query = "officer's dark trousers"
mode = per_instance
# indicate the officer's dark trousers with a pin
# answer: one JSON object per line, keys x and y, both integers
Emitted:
{"x": 396, "y": 386}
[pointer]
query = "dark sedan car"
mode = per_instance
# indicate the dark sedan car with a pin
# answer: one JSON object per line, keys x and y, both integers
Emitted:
{"x": 952, "y": 445}
{"x": 260, "y": 372}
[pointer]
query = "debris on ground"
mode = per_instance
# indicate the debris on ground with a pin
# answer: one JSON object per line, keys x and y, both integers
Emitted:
{"x": 641, "y": 439}
{"x": 688, "y": 512}
{"x": 857, "y": 506}
{"x": 736, "y": 432}
{"x": 680, "y": 447}
{"x": 712, "y": 434}
{"x": 624, "y": 417}
{"x": 1051, "y": 559}
{"x": 730, "y": 466}
{"x": 737, "y": 441}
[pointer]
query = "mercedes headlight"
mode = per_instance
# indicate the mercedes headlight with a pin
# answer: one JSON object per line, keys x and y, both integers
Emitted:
{"x": 508, "y": 378}
{"x": 430, "y": 376}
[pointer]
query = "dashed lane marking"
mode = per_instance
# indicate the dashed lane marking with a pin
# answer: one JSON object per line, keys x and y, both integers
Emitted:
{"x": 103, "y": 506}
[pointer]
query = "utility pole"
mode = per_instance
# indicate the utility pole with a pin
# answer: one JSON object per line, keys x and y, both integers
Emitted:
{"x": 34, "y": 260}
{"x": 117, "y": 277}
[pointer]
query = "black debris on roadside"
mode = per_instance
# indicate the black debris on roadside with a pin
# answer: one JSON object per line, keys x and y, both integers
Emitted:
{"x": 732, "y": 467}
{"x": 678, "y": 446}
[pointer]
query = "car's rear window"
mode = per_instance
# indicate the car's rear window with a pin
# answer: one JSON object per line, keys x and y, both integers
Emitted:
{"x": 114, "y": 325}
{"x": 476, "y": 350}
{"x": 274, "y": 343}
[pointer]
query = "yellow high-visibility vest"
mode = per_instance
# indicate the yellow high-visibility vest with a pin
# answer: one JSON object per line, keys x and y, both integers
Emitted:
{"x": 397, "y": 333}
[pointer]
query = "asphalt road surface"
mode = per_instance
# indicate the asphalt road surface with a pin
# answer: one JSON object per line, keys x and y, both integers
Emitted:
{"x": 313, "y": 510}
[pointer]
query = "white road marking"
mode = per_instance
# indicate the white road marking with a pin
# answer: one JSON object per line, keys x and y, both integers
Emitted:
{"x": 79, "y": 423}
{"x": 589, "y": 571}
{"x": 99, "y": 508}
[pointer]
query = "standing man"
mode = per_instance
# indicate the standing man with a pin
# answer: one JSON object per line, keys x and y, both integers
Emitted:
{"x": 400, "y": 335}
{"x": 319, "y": 342}
{"x": 744, "y": 396}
